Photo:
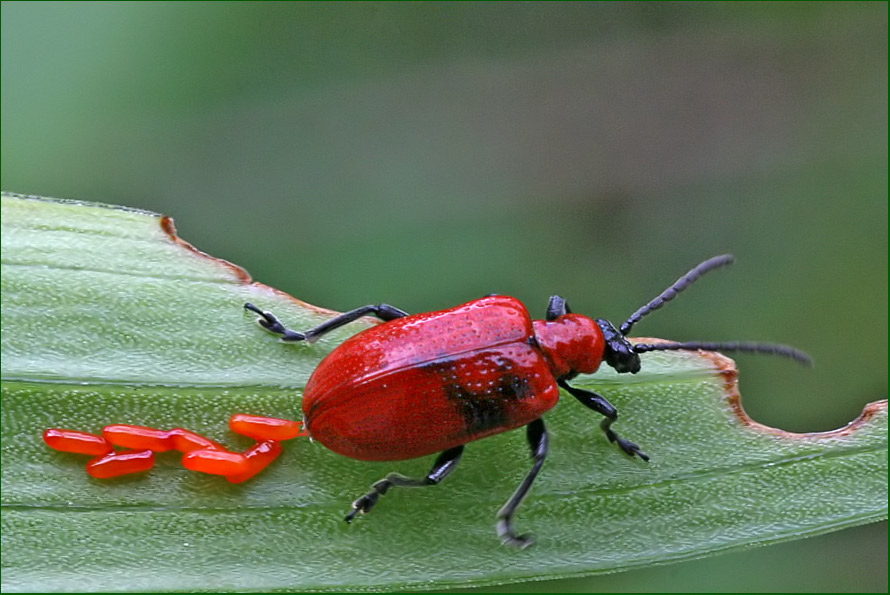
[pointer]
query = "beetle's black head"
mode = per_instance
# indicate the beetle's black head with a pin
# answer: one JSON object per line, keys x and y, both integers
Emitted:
{"x": 619, "y": 352}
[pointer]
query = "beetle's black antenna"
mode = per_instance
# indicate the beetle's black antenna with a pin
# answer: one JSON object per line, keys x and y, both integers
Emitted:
{"x": 675, "y": 288}
{"x": 742, "y": 346}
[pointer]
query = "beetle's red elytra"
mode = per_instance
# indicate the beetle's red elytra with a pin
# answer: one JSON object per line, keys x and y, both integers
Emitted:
{"x": 431, "y": 383}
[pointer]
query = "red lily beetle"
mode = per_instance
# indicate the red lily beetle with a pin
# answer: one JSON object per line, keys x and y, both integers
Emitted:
{"x": 426, "y": 383}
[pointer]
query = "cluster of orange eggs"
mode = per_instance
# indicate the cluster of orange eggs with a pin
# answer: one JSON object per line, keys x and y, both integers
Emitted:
{"x": 199, "y": 452}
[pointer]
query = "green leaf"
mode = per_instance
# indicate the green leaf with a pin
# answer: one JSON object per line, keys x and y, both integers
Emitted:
{"x": 108, "y": 317}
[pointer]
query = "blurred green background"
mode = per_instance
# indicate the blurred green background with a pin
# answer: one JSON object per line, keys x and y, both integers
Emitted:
{"x": 427, "y": 154}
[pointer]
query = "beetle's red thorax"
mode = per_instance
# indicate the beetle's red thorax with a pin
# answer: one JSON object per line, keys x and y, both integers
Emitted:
{"x": 571, "y": 344}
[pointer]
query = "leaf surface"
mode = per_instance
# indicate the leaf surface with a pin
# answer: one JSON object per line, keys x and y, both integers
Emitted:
{"x": 108, "y": 317}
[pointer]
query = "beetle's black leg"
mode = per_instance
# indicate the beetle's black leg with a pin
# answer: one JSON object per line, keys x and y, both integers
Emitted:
{"x": 269, "y": 322}
{"x": 602, "y": 406}
{"x": 556, "y": 307}
{"x": 540, "y": 444}
{"x": 444, "y": 465}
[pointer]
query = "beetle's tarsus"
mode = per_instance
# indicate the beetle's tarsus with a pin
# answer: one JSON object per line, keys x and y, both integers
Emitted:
{"x": 270, "y": 322}
{"x": 519, "y": 541}
{"x": 363, "y": 505}
{"x": 508, "y": 534}
{"x": 626, "y": 445}
{"x": 632, "y": 449}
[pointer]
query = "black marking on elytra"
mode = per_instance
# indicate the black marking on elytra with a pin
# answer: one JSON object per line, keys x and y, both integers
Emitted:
{"x": 481, "y": 412}
{"x": 487, "y": 407}
{"x": 513, "y": 388}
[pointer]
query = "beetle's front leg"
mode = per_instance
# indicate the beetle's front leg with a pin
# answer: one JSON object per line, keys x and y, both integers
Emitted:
{"x": 444, "y": 465}
{"x": 602, "y": 406}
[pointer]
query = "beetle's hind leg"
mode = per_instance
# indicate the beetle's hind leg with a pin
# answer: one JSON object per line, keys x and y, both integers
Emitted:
{"x": 444, "y": 465}
{"x": 602, "y": 406}
{"x": 270, "y": 322}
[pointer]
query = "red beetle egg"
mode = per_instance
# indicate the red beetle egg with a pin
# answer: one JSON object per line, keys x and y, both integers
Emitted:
{"x": 138, "y": 437}
{"x": 121, "y": 463}
{"x": 258, "y": 458}
{"x": 216, "y": 462}
{"x": 77, "y": 442}
{"x": 265, "y": 428}
{"x": 186, "y": 441}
